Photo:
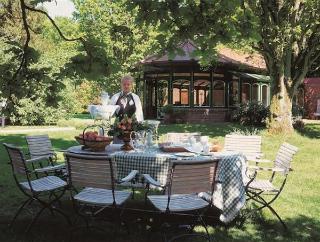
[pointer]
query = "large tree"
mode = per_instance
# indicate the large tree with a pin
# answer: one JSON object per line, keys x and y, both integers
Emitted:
{"x": 285, "y": 32}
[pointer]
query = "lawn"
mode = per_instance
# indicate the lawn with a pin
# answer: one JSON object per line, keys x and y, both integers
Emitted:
{"x": 298, "y": 205}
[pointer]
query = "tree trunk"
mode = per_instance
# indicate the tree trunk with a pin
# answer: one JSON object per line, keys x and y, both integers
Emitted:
{"x": 280, "y": 119}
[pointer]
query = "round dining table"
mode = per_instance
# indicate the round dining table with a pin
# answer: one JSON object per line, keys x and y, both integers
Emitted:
{"x": 229, "y": 195}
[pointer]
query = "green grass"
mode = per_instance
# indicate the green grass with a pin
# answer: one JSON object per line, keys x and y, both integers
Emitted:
{"x": 298, "y": 205}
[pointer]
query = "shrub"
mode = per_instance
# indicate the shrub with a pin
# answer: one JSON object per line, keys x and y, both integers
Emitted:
{"x": 35, "y": 112}
{"x": 168, "y": 109}
{"x": 297, "y": 111}
{"x": 298, "y": 124}
{"x": 253, "y": 113}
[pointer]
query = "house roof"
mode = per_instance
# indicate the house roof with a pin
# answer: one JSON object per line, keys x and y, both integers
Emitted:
{"x": 314, "y": 81}
{"x": 225, "y": 56}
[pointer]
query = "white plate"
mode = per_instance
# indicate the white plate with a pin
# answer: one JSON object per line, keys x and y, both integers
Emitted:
{"x": 184, "y": 154}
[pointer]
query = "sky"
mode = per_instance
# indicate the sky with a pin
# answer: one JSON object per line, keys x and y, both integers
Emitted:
{"x": 59, "y": 8}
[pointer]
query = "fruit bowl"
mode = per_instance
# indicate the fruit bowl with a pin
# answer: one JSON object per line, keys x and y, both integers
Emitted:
{"x": 93, "y": 141}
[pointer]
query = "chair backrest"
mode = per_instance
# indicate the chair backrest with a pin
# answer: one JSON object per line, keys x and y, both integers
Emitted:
{"x": 17, "y": 160}
{"x": 285, "y": 156}
{"x": 318, "y": 106}
{"x": 90, "y": 171}
{"x": 249, "y": 145}
{"x": 182, "y": 137}
{"x": 39, "y": 145}
{"x": 191, "y": 176}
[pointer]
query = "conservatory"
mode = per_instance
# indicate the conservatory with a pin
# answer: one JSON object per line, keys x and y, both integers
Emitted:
{"x": 205, "y": 95}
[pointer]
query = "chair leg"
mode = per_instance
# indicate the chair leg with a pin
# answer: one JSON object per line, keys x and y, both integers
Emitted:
{"x": 63, "y": 215}
{"x": 266, "y": 204}
{"x": 277, "y": 215}
{"x": 19, "y": 211}
{"x": 35, "y": 220}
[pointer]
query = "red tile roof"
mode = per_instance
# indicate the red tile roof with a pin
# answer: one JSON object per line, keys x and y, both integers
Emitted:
{"x": 225, "y": 56}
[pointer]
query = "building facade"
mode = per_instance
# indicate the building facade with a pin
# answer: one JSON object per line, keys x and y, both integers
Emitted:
{"x": 205, "y": 95}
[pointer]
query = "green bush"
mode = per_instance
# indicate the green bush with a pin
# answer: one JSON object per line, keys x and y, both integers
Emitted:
{"x": 253, "y": 113}
{"x": 36, "y": 112}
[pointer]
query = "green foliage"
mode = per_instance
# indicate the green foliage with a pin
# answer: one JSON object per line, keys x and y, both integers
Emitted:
{"x": 252, "y": 113}
{"x": 167, "y": 109}
{"x": 117, "y": 41}
{"x": 35, "y": 112}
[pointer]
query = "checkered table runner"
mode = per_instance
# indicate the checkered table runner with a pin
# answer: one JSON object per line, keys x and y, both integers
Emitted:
{"x": 229, "y": 195}
{"x": 156, "y": 165}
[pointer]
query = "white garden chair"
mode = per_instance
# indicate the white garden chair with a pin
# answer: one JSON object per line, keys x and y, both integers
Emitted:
{"x": 248, "y": 145}
{"x": 258, "y": 188}
{"x": 317, "y": 113}
{"x": 40, "y": 147}
{"x": 93, "y": 181}
{"x": 187, "y": 180}
{"x": 46, "y": 191}
{"x": 181, "y": 137}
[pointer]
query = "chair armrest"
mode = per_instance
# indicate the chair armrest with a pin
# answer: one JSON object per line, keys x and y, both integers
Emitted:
{"x": 129, "y": 177}
{"x": 274, "y": 169}
{"x": 205, "y": 196}
{"x": 37, "y": 159}
{"x": 151, "y": 181}
{"x": 257, "y": 160}
{"x": 50, "y": 168}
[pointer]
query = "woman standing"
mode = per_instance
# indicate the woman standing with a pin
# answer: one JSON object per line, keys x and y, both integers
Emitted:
{"x": 128, "y": 102}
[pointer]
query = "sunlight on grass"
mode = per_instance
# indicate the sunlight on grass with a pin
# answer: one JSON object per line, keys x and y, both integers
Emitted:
{"x": 298, "y": 204}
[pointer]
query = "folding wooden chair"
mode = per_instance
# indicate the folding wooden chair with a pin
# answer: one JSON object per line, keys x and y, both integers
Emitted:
{"x": 40, "y": 147}
{"x": 258, "y": 188}
{"x": 93, "y": 181}
{"x": 46, "y": 190}
{"x": 182, "y": 137}
{"x": 249, "y": 145}
{"x": 187, "y": 179}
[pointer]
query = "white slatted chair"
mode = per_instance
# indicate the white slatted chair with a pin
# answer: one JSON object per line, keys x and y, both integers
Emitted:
{"x": 257, "y": 188}
{"x": 182, "y": 137}
{"x": 317, "y": 113}
{"x": 40, "y": 147}
{"x": 187, "y": 180}
{"x": 94, "y": 180}
{"x": 46, "y": 190}
{"x": 248, "y": 145}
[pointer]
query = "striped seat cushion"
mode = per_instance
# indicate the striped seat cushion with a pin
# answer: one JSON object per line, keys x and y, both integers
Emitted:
{"x": 178, "y": 202}
{"x": 43, "y": 184}
{"x": 100, "y": 196}
{"x": 263, "y": 185}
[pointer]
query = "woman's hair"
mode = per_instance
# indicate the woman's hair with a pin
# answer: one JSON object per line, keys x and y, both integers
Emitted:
{"x": 127, "y": 78}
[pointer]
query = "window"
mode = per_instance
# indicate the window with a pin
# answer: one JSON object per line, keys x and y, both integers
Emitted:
{"x": 246, "y": 96}
{"x": 201, "y": 92}
{"x": 234, "y": 93}
{"x": 218, "y": 91}
{"x": 163, "y": 91}
{"x": 181, "y": 90}
{"x": 265, "y": 95}
{"x": 255, "y": 92}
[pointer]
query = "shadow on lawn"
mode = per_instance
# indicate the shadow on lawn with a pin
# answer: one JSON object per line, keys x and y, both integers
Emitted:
{"x": 52, "y": 229}
{"x": 311, "y": 131}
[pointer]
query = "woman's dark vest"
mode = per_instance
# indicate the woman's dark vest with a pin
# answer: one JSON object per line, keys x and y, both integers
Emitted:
{"x": 129, "y": 110}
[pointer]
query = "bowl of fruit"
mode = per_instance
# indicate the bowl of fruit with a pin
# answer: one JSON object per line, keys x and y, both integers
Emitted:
{"x": 93, "y": 141}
